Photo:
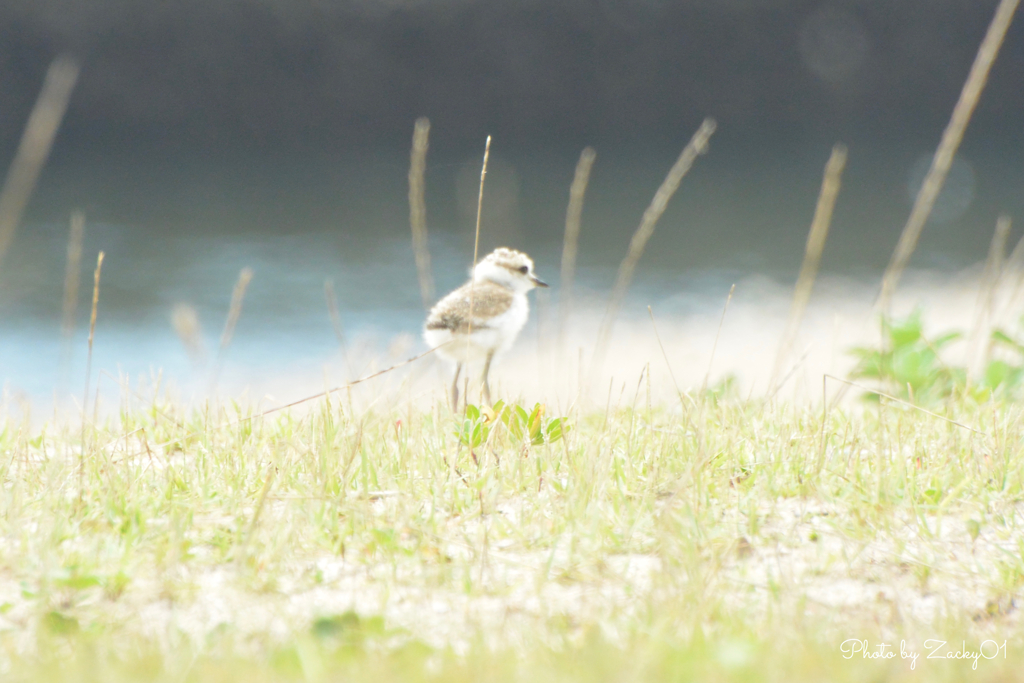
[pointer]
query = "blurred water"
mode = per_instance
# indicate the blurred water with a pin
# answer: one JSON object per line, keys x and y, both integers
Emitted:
{"x": 180, "y": 232}
{"x": 284, "y": 326}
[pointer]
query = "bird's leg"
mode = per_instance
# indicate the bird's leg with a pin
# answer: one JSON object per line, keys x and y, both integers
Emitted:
{"x": 455, "y": 388}
{"x": 487, "y": 369}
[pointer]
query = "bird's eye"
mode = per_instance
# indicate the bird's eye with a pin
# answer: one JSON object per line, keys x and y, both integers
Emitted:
{"x": 524, "y": 269}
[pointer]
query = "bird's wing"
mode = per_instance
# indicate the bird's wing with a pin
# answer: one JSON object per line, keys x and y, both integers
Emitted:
{"x": 452, "y": 312}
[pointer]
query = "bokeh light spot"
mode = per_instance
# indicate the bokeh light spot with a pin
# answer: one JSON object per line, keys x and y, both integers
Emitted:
{"x": 957, "y": 193}
{"x": 833, "y": 43}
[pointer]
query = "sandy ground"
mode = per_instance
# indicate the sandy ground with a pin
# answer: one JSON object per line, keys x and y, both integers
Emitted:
{"x": 702, "y": 342}
{"x": 705, "y": 344}
{"x": 803, "y": 567}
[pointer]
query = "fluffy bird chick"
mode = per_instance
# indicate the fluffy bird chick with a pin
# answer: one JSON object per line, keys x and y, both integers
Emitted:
{"x": 483, "y": 317}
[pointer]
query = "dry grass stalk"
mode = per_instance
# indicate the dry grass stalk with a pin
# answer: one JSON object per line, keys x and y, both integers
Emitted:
{"x": 812, "y": 256}
{"x": 36, "y": 141}
{"x": 92, "y": 324}
{"x": 664, "y": 355}
{"x": 476, "y": 239}
{"x": 697, "y": 146}
{"x": 1016, "y": 259}
{"x": 268, "y": 482}
{"x": 348, "y": 385}
{"x": 237, "y": 296}
{"x": 88, "y": 369}
{"x": 332, "y": 311}
{"x": 946, "y": 150}
{"x": 894, "y": 399}
{"x": 72, "y": 273}
{"x": 476, "y": 256}
{"x": 573, "y": 214}
{"x": 983, "y": 314}
{"x": 418, "y": 208}
{"x": 1013, "y": 268}
{"x": 792, "y": 371}
{"x": 234, "y": 313}
{"x": 714, "y": 346}
{"x": 186, "y": 325}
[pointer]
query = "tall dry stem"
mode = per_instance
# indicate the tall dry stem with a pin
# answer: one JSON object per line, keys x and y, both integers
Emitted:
{"x": 983, "y": 312}
{"x": 573, "y": 215}
{"x": 72, "y": 276}
{"x": 88, "y": 369}
{"x": 92, "y": 325}
{"x": 234, "y": 313}
{"x": 812, "y": 257}
{"x": 697, "y": 146}
{"x": 418, "y": 208}
{"x": 332, "y": 311}
{"x": 664, "y": 355}
{"x": 946, "y": 150}
{"x": 185, "y": 322}
{"x": 476, "y": 239}
{"x": 1014, "y": 270}
{"x": 1016, "y": 259}
{"x": 718, "y": 334}
{"x": 36, "y": 141}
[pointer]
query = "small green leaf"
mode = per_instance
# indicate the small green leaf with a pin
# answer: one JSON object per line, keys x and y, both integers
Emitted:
{"x": 944, "y": 339}
{"x": 57, "y": 623}
{"x": 524, "y": 417}
{"x": 1004, "y": 338}
{"x": 535, "y": 422}
{"x": 557, "y": 428}
{"x": 80, "y": 581}
{"x": 115, "y": 585}
{"x": 480, "y": 433}
{"x": 326, "y": 627}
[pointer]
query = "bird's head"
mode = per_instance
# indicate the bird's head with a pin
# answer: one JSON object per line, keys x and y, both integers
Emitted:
{"x": 508, "y": 267}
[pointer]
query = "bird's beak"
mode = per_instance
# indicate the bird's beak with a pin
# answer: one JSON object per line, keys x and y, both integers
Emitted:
{"x": 537, "y": 283}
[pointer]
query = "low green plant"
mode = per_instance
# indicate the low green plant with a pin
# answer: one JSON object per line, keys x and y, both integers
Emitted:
{"x": 475, "y": 427}
{"x": 726, "y": 388}
{"x": 532, "y": 426}
{"x": 1002, "y": 375}
{"x": 703, "y": 540}
{"x": 909, "y": 365}
{"x": 525, "y": 427}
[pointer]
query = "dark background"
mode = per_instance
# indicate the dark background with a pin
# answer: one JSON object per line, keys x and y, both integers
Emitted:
{"x": 284, "y": 115}
{"x": 342, "y": 75}
{"x": 205, "y": 136}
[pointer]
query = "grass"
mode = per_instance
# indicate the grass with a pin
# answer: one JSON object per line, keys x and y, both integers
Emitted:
{"x": 911, "y": 365}
{"x": 720, "y": 540}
